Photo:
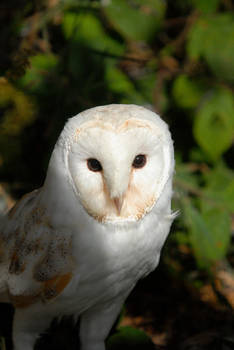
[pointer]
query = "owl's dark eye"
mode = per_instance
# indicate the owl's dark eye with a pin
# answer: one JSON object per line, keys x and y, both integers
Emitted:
{"x": 94, "y": 165}
{"x": 139, "y": 161}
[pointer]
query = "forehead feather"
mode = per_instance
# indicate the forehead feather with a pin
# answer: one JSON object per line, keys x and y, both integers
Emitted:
{"x": 115, "y": 117}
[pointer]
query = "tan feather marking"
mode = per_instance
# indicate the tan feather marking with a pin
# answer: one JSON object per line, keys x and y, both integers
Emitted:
{"x": 50, "y": 290}
{"x": 99, "y": 218}
{"x": 16, "y": 266}
{"x": 24, "y": 245}
{"x": 37, "y": 215}
{"x": 53, "y": 287}
{"x": 117, "y": 127}
{"x": 133, "y": 123}
{"x": 34, "y": 247}
{"x": 135, "y": 206}
{"x": 137, "y": 203}
{"x": 23, "y": 301}
{"x": 22, "y": 249}
{"x": 57, "y": 260}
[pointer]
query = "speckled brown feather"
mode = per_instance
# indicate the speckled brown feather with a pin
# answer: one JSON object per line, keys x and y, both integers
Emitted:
{"x": 35, "y": 247}
{"x": 49, "y": 291}
{"x": 53, "y": 287}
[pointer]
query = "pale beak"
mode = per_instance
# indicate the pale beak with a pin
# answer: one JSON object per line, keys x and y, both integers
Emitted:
{"x": 118, "y": 201}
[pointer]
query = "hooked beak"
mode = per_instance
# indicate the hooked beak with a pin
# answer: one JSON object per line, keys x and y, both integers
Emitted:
{"x": 118, "y": 201}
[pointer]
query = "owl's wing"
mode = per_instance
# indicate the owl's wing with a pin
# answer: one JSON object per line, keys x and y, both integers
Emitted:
{"x": 35, "y": 259}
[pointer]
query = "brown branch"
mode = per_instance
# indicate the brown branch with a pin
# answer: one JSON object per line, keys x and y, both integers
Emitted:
{"x": 119, "y": 57}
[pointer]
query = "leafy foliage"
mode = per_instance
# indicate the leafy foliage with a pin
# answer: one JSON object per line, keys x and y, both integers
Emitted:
{"x": 209, "y": 233}
{"x": 213, "y": 29}
{"x": 129, "y": 338}
{"x": 174, "y": 57}
{"x": 214, "y": 121}
{"x": 124, "y": 15}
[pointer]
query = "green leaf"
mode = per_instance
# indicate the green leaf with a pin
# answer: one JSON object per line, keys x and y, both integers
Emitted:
{"x": 219, "y": 188}
{"x": 209, "y": 234}
{"x": 219, "y": 224}
{"x": 206, "y": 6}
{"x": 129, "y": 338}
{"x": 196, "y": 46}
{"x": 19, "y": 111}
{"x": 214, "y": 123}
{"x": 136, "y": 20}
{"x": 185, "y": 175}
{"x": 187, "y": 93}
{"x": 41, "y": 66}
{"x": 146, "y": 85}
{"x": 118, "y": 82}
{"x": 211, "y": 38}
{"x": 180, "y": 237}
{"x": 87, "y": 29}
{"x": 219, "y": 178}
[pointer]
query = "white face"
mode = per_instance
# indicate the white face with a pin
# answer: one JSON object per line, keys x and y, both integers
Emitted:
{"x": 118, "y": 171}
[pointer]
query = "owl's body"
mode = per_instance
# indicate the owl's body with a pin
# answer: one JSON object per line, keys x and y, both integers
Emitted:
{"x": 78, "y": 245}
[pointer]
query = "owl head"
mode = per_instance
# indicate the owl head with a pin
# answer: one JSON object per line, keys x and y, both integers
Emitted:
{"x": 114, "y": 160}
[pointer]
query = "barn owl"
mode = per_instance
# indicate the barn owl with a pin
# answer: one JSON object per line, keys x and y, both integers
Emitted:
{"x": 78, "y": 245}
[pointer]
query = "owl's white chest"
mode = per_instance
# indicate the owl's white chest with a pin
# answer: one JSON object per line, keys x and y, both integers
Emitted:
{"x": 114, "y": 260}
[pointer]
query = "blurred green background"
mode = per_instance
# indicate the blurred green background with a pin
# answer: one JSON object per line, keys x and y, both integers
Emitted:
{"x": 59, "y": 57}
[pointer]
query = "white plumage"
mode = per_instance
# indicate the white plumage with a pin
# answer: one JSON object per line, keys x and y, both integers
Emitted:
{"x": 79, "y": 244}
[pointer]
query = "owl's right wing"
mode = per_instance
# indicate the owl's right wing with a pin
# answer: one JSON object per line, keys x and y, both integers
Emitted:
{"x": 36, "y": 262}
